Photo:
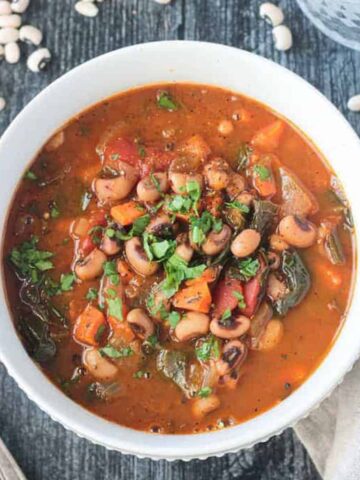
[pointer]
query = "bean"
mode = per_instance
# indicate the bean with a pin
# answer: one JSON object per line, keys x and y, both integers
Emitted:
{"x": 161, "y": 226}
{"x": 192, "y": 325}
{"x": 185, "y": 251}
{"x": 55, "y": 141}
{"x": 235, "y": 186}
{"x": 92, "y": 265}
{"x": 282, "y": 37}
{"x": 272, "y": 335}
{"x": 12, "y": 52}
{"x": 297, "y": 231}
{"x": 245, "y": 243}
{"x": 150, "y": 188}
{"x": 278, "y": 243}
{"x": 203, "y": 406}
{"x": 179, "y": 180}
{"x": 354, "y": 103}
{"x": 88, "y": 9}
{"x": 109, "y": 246}
{"x": 276, "y": 288}
{"x": 2, "y": 103}
{"x": 79, "y": 228}
{"x": 140, "y": 323}
{"x": 5, "y": 8}
{"x": 225, "y": 128}
{"x": 138, "y": 259}
{"x": 246, "y": 198}
{"x": 13, "y": 21}
{"x": 231, "y": 327}
{"x": 8, "y": 35}
{"x": 234, "y": 353}
{"x": 271, "y": 13}
{"x": 274, "y": 260}
{"x": 216, "y": 242}
{"x": 110, "y": 190}
{"x": 19, "y": 6}
{"x": 217, "y": 174}
{"x": 30, "y": 34}
{"x": 98, "y": 366}
{"x": 38, "y": 60}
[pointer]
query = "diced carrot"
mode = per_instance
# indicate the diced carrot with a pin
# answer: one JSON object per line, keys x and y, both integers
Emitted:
{"x": 268, "y": 138}
{"x": 265, "y": 188}
{"x": 121, "y": 149}
{"x": 196, "y": 298}
{"x": 196, "y": 147}
{"x": 127, "y": 213}
{"x": 208, "y": 276}
{"x": 124, "y": 270}
{"x": 121, "y": 330}
{"x": 90, "y": 326}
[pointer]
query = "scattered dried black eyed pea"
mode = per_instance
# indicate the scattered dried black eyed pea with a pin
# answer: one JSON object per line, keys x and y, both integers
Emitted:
{"x": 354, "y": 103}
{"x": 271, "y": 14}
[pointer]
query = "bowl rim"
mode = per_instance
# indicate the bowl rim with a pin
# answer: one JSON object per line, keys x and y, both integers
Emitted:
{"x": 173, "y": 447}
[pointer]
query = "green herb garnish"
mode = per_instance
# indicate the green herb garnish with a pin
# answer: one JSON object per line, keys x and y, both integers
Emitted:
{"x": 239, "y": 206}
{"x": 29, "y": 175}
{"x": 137, "y": 228}
{"x": 66, "y": 282}
{"x": 248, "y": 268}
{"x": 208, "y": 349}
{"x": 226, "y": 314}
{"x": 173, "y": 318}
{"x": 262, "y": 172}
{"x": 92, "y": 294}
{"x": 204, "y": 392}
{"x": 111, "y": 272}
{"x": 178, "y": 270}
{"x": 30, "y": 261}
{"x": 164, "y": 100}
{"x": 240, "y": 298}
{"x": 112, "y": 352}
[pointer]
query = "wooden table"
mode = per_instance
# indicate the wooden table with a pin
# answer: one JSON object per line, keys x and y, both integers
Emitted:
{"x": 42, "y": 447}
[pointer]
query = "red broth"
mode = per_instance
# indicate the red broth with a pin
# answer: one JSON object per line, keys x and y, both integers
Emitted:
{"x": 188, "y": 323}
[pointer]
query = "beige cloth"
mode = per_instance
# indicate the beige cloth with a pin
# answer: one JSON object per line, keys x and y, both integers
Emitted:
{"x": 331, "y": 434}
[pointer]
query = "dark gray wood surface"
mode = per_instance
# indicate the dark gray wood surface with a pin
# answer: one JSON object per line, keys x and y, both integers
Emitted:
{"x": 42, "y": 447}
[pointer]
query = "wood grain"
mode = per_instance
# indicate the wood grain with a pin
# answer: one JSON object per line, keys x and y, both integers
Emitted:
{"x": 42, "y": 447}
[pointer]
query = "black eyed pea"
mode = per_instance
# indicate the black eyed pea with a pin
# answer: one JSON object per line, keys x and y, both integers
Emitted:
{"x": 233, "y": 354}
{"x": 272, "y": 335}
{"x": 184, "y": 250}
{"x": 110, "y": 190}
{"x": 179, "y": 180}
{"x": 38, "y": 60}
{"x": 203, "y": 406}
{"x": 232, "y": 327}
{"x": 98, "y": 366}
{"x": 140, "y": 323}
{"x": 150, "y": 188}
{"x": 138, "y": 259}
{"x": 236, "y": 186}
{"x": 216, "y": 242}
{"x": 91, "y": 266}
{"x": 245, "y": 243}
{"x": 19, "y": 6}
{"x": 277, "y": 243}
{"x": 274, "y": 260}
{"x": 30, "y": 34}
{"x": 217, "y": 174}
{"x": 192, "y": 325}
{"x": 246, "y": 198}
{"x": 161, "y": 226}
{"x": 297, "y": 231}
{"x": 109, "y": 246}
{"x": 276, "y": 288}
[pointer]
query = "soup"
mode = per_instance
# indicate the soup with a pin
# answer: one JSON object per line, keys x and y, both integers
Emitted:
{"x": 178, "y": 258}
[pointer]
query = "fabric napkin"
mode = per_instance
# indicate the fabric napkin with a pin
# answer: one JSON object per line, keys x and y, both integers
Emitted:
{"x": 331, "y": 434}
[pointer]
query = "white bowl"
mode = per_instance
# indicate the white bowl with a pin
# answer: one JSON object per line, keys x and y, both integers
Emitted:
{"x": 205, "y": 63}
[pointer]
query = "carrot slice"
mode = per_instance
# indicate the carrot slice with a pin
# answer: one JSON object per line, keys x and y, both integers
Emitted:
{"x": 196, "y": 298}
{"x": 126, "y": 273}
{"x": 90, "y": 326}
{"x": 208, "y": 276}
{"x": 268, "y": 138}
{"x": 121, "y": 329}
{"x": 127, "y": 213}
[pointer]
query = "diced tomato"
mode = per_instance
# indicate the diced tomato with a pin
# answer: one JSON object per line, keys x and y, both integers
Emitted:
{"x": 224, "y": 297}
{"x": 86, "y": 245}
{"x": 123, "y": 150}
{"x": 253, "y": 291}
{"x": 154, "y": 160}
{"x": 97, "y": 218}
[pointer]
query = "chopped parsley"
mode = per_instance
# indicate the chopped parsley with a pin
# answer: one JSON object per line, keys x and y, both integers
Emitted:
{"x": 96, "y": 234}
{"x": 115, "y": 305}
{"x": 240, "y": 298}
{"x": 185, "y": 203}
{"x": 238, "y": 206}
{"x": 208, "y": 349}
{"x": 137, "y": 228}
{"x": 66, "y": 281}
{"x": 199, "y": 227}
{"x": 30, "y": 261}
{"x": 248, "y": 268}
{"x": 158, "y": 249}
{"x": 262, "y": 172}
{"x": 54, "y": 211}
{"x": 226, "y": 314}
{"x": 141, "y": 374}
{"x": 92, "y": 294}
{"x": 100, "y": 332}
{"x": 173, "y": 318}
{"x": 111, "y": 272}
{"x": 164, "y": 100}
{"x": 112, "y": 352}
{"x": 204, "y": 392}
{"x": 29, "y": 175}
{"x": 156, "y": 182}
{"x": 177, "y": 270}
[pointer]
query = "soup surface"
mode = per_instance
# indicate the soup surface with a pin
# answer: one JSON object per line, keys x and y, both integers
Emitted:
{"x": 178, "y": 258}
